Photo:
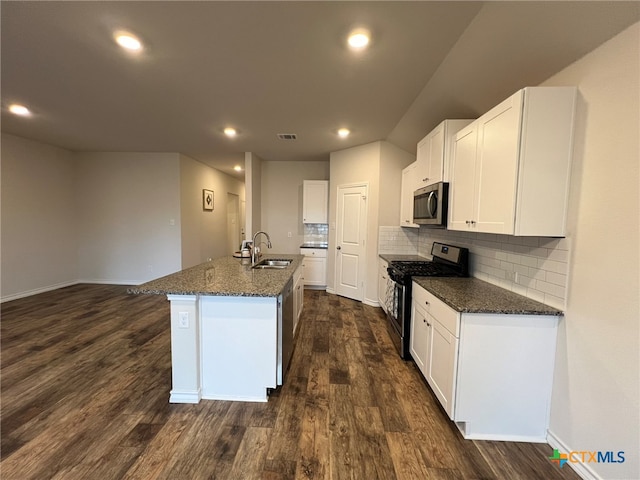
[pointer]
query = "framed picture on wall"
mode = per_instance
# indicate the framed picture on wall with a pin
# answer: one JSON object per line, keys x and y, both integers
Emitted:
{"x": 207, "y": 199}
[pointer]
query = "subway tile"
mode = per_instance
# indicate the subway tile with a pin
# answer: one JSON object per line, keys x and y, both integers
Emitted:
{"x": 552, "y": 266}
{"x": 555, "y": 302}
{"x": 535, "y": 294}
{"x": 530, "y": 241}
{"x": 550, "y": 288}
{"x": 558, "y": 255}
{"x": 514, "y": 258}
{"x": 529, "y": 261}
{"x": 556, "y": 278}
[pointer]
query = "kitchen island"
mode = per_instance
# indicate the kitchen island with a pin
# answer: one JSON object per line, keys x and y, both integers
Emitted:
{"x": 226, "y": 328}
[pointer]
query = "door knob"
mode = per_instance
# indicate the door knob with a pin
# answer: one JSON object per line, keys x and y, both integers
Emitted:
{"x": 338, "y": 248}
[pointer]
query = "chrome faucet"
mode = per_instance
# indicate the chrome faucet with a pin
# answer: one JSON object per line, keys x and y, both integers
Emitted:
{"x": 255, "y": 250}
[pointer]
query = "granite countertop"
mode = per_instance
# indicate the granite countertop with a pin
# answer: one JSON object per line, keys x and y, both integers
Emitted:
{"x": 314, "y": 245}
{"x": 225, "y": 276}
{"x": 470, "y": 295}
{"x": 391, "y": 257}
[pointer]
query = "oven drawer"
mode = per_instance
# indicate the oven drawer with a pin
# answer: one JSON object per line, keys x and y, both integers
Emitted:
{"x": 448, "y": 317}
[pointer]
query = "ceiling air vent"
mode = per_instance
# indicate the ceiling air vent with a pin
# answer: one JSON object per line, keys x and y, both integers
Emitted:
{"x": 287, "y": 136}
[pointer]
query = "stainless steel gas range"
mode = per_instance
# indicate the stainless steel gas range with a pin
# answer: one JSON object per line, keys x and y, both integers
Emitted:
{"x": 448, "y": 261}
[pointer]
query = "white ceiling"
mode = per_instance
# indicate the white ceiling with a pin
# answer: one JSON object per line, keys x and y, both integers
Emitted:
{"x": 278, "y": 67}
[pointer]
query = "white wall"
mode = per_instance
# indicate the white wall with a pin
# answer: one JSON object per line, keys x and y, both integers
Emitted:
{"x": 38, "y": 217}
{"x": 204, "y": 233}
{"x": 357, "y": 165}
{"x": 126, "y": 204}
{"x": 282, "y": 201}
{"x": 365, "y": 164}
{"x": 596, "y": 398}
{"x": 253, "y": 193}
{"x": 392, "y": 161}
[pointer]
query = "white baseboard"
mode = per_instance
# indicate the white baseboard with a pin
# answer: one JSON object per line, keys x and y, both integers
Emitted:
{"x": 185, "y": 396}
{"x": 111, "y": 282}
{"x": 36, "y": 291}
{"x": 371, "y": 303}
{"x": 331, "y": 291}
{"x": 580, "y": 468}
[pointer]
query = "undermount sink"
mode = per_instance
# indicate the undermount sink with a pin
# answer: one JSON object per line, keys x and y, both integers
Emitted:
{"x": 273, "y": 263}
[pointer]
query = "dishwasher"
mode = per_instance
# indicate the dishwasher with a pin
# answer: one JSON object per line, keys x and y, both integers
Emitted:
{"x": 285, "y": 330}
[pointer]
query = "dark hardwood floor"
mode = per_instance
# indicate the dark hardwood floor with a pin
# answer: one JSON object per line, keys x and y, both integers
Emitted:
{"x": 86, "y": 373}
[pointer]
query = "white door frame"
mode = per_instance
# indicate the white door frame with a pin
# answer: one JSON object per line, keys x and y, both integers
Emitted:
{"x": 361, "y": 273}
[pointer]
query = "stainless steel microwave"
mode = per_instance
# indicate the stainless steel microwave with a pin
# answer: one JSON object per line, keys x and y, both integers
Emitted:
{"x": 430, "y": 205}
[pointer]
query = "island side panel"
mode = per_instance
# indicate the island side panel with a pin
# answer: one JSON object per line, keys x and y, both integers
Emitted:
{"x": 239, "y": 344}
{"x": 506, "y": 396}
{"x": 185, "y": 349}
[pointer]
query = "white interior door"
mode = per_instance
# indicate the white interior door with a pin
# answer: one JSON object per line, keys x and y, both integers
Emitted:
{"x": 351, "y": 231}
{"x": 233, "y": 223}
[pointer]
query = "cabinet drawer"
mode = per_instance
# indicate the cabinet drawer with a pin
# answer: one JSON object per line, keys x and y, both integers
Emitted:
{"x": 314, "y": 252}
{"x": 449, "y": 318}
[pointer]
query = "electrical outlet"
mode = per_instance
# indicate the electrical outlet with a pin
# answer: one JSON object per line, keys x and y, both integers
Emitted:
{"x": 289, "y": 234}
{"x": 183, "y": 319}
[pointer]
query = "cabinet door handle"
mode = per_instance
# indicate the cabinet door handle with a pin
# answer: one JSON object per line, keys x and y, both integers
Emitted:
{"x": 424, "y": 320}
{"x": 426, "y": 303}
{"x": 428, "y": 324}
{"x": 425, "y": 179}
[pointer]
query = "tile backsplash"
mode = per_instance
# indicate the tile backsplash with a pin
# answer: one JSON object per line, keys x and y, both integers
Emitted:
{"x": 535, "y": 267}
{"x": 316, "y": 232}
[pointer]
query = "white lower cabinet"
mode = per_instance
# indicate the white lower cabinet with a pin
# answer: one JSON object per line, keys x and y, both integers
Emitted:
{"x": 315, "y": 266}
{"x": 492, "y": 373}
{"x": 383, "y": 278}
{"x": 419, "y": 337}
{"x": 433, "y": 347}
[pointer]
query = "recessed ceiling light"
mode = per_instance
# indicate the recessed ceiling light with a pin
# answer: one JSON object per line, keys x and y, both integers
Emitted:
{"x": 359, "y": 39}
{"x": 230, "y": 132}
{"x": 19, "y": 110}
{"x": 128, "y": 41}
{"x": 237, "y": 168}
{"x": 343, "y": 132}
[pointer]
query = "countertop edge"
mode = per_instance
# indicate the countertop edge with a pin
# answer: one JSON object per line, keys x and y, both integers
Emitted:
{"x": 463, "y": 303}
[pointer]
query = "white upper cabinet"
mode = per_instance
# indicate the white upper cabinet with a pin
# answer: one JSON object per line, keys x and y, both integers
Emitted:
{"x": 510, "y": 168}
{"x": 434, "y": 153}
{"x": 406, "y": 200}
{"x": 315, "y": 201}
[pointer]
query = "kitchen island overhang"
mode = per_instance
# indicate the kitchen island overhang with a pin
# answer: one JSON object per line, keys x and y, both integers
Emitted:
{"x": 226, "y": 328}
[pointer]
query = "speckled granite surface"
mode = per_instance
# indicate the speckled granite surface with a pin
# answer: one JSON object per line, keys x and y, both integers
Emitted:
{"x": 390, "y": 257}
{"x": 470, "y": 295}
{"x": 225, "y": 276}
